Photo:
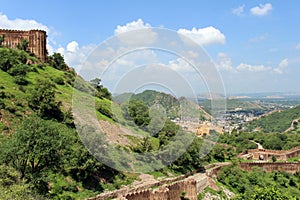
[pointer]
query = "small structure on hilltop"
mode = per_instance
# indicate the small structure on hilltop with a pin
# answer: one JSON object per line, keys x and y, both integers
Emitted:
{"x": 36, "y": 41}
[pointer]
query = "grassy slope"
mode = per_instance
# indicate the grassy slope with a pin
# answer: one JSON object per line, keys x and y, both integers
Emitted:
{"x": 275, "y": 122}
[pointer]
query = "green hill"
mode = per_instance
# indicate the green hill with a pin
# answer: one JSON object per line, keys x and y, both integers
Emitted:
{"x": 38, "y": 143}
{"x": 174, "y": 107}
{"x": 278, "y": 121}
{"x": 41, "y": 154}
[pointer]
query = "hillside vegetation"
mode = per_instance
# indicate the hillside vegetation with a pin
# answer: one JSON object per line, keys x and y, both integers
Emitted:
{"x": 41, "y": 155}
{"x": 174, "y": 107}
{"x": 275, "y": 122}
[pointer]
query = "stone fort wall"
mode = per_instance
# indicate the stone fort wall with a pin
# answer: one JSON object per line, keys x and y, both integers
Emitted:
{"x": 36, "y": 39}
{"x": 169, "y": 192}
{"x": 279, "y": 154}
{"x": 290, "y": 167}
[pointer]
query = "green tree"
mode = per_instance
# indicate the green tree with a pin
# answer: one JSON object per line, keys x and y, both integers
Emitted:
{"x": 268, "y": 193}
{"x": 139, "y": 112}
{"x": 42, "y": 100}
{"x": 35, "y": 147}
{"x": 2, "y": 40}
{"x": 58, "y": 62}
{"x": 101, "y": 92}
{"x": 12, "y": 186}
{"x": 24, "y": 45}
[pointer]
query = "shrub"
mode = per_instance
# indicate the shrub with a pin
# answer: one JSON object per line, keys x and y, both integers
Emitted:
{"x": 59, "y": 80}
{"x": 17, "y": 70}
{"x": 20, "y": 80}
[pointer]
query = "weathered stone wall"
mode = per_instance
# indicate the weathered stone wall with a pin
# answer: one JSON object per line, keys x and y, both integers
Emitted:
{"x": 279, "y": 154}
{"x": 290, "y": 167}
{"x": 36, "y": 39}
{"x": 167, "y": 192}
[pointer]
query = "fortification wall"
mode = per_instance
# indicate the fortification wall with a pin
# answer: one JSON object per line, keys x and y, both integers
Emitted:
{"x": 279, "y": 154}
{"x": 167, "y": 192}
{"x": 36, "y": 39}
{"x": 290, "y": 167}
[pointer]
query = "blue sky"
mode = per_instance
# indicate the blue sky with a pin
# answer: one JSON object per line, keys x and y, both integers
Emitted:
{"x": 254, "y": 44}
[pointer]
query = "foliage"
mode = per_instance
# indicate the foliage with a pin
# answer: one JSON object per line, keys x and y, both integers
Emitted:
{"x": 139, "y": 112}
{"x": 44, "y": 149}
{"x": 105, "y": 107}
{"x": 101, "y": 92}
{"x": 276, "y": 122}
{"x": 58, "y": 62}
{"x": 13, "y": 187}
{"x": 24, "y": 45}
{"x": 2, "y": 40}
{"x": 275, "y": 141}
{"x": 258, "y": 184}
{"x": 174, "y": 107}
{"x": 12, "y": 57}
{"x": 42, "y": 100}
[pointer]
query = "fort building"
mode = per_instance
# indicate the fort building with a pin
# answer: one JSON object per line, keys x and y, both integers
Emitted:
{"x": 36, "y": 41}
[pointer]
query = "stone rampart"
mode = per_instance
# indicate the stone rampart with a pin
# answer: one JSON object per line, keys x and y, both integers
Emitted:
{"x": 290, "y": 167}
{"x": 36, "y": 40}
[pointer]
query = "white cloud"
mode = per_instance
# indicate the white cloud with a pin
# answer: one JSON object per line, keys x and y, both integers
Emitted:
{"x": 20, "y": 24}
{"x": 298, "y": 46}
{"x": 72, "y": 46}
{"x": 261, "y": 10}
{"x": 143, "y": 34}
{"x": 282, "y": 65}
{"x": 139, "y": 24}
{"x": 238, "y": 11}
{"x": 223, "y": 62}
{"x": 180, "y": 65}
{"x": 75, "y": 55}
{"x": 204, "y": 36}
{"x": 252, "y": 68}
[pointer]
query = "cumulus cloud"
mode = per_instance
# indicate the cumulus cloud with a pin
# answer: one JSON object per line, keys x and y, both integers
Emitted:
{"x": 72, "y": 46}
{"x": 143, "y": 35}
{"x": 20, "y": 24}
{"x": 75, "y": 55}
{"x": 252, "y": 68}
{"x": 298, "y": 46}
{"x": 134, "y": 25}
{"x": 238, "y": 11}
{"x": 282, "y": 65}
{"x": 204, "y": 36}
{"x": 261, "y": 10}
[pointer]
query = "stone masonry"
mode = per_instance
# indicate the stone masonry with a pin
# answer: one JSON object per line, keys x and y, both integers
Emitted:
{"x": 36, "y": 39}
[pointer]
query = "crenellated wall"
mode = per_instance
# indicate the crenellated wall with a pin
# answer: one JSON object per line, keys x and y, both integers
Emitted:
{"x": 36, "y": 39}
{"x": 279, "y": 154}
{"x": 290, "y": 167}
{"x": 167, "y": 192}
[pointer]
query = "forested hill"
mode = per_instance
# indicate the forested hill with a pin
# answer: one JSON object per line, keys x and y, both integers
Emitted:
{"x": 172, "y": 105}
{"x": 41, "y": 155}
{"x": 278, "y": 121}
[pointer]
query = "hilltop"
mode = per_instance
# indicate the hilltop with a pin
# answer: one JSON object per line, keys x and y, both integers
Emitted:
{"x": 174, "y": 107}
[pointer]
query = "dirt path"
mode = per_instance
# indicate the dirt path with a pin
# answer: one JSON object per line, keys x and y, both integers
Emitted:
{"x": 259, "y": 146}
{"x": 292, "y": 127}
